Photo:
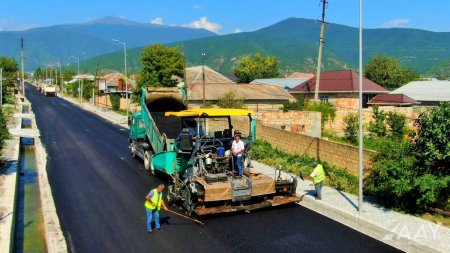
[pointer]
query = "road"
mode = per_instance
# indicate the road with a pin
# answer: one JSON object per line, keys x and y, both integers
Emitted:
{"x": 99, "y": 194}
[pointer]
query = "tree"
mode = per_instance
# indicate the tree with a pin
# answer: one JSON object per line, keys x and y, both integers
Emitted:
{"x": 387, "y": 72}
{"x": 68, "y": 74}
{"x": 351, "y": 129}
{"x": 10, "y": 67}
{"x": 251, "y": 67}
{"x": 432, "y": 139}
{"x": 161, "y": 63}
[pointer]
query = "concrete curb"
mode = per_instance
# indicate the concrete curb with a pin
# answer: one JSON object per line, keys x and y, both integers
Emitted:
{"x": 394, "y": 232}
{"x": 8, "y": 200}
{"x": 363, "y": 225}
{"x": 56, "y": 243}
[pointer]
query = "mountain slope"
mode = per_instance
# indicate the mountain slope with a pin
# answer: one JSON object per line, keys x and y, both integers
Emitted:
{"x": 48, "y": 45}
{"x": 294, "y": 41}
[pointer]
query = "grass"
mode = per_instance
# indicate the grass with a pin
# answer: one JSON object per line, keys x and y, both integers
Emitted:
{"x": 370, "y": 143}
{"x": 337, "y": 178}
{"x": 436, "y": 218}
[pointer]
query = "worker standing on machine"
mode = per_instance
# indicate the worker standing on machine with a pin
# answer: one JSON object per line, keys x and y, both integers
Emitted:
{"x": 153, "y": 204}
{"x": 237, "y": 148}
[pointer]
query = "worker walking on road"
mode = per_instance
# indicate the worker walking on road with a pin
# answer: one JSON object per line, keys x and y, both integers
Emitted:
{"x": 317, "y": 175}
{"x": 153, "y": 204}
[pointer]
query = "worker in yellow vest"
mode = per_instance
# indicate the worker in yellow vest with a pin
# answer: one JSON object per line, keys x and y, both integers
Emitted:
{"x": 317, "y": 175}
{"x": 153, "y": 204}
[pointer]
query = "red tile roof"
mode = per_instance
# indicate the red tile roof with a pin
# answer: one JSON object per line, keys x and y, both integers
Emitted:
{"x": 392, "y": 99}
{"x": 337, "y": 82}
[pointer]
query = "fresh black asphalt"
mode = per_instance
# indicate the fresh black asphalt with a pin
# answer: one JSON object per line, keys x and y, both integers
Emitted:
{"x": 99, "y": 192}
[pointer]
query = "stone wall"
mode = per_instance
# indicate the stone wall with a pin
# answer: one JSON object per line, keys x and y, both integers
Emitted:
{"x": 105, "y": 102}
{"x": 340, "y": 155}
{"x": 261, "y": 106}
{"x": 303, "y": 122}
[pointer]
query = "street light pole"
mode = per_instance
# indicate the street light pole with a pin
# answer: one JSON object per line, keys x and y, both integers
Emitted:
{"x": 126, "y": 74}
{"x": 361, "y": 135}
{"x": 78, "y": 74}
{"x": 203, "y": 78}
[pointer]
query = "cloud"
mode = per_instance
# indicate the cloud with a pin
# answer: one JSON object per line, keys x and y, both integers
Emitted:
{"x": 395, "y": 23}
{"x": 237, "y": 30}
{"x": 157, "y": 21}
{"x": 197, "y": 7}
{"x": 205, "y": 24}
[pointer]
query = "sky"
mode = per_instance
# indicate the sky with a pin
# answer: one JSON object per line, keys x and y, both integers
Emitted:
{"x": 226, "y": 16}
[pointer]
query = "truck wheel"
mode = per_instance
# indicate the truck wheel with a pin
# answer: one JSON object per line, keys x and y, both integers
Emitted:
{"x": 133, "y": 151}
{"x": 148, "y": 161}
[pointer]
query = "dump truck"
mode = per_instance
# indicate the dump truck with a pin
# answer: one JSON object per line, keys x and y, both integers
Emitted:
{"x": 191, "y": 147}
{"x": 47, "y": 89}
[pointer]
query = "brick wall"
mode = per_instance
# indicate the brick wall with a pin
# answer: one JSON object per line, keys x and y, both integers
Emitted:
{"x": 340, "y": 155}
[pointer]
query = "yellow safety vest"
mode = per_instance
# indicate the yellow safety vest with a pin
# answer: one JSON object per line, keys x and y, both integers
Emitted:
{"x": 320, "y": 175}
{"x": 156, "y": 198}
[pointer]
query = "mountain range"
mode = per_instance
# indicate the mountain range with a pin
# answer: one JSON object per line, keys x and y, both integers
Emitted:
{"x": 53, "y": 44}
{"x": 294, "y": 41}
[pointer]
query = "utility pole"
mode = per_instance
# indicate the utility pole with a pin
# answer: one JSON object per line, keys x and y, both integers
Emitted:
{"x": 319, "y": 58}
{"x": 1, "y": 86}
{"x": 95, "y": 82}
{"x": 60, "y": 77}
{"x": 23, "y": 70}
{"x": 203, "y": 77}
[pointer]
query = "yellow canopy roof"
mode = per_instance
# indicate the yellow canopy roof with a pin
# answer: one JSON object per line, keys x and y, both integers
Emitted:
{"x": 197, "y": 112}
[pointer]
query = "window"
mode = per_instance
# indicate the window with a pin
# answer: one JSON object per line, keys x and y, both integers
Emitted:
{"x": 324, "y": 99}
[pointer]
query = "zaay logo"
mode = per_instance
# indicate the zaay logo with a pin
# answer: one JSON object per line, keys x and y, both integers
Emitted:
{"x": 413, "y": 232}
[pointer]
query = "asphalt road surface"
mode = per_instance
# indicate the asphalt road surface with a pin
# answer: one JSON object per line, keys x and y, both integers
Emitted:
{"x": 99, "y": 193}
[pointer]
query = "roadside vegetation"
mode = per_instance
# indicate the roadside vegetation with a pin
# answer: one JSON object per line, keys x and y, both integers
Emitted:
{"x": 10, "y": 67}
{"x": 327, "y": 110}
{"x": 413, "y": 174}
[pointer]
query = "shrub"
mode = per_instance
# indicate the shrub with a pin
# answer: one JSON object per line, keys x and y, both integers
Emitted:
{"x": 415, "y": 175}
{"x": 4, "y": 134}
{"x": 115, "y": 101}
{"x": 351, "y": 127}
{"x": 297, "y": 105}
{"x": 377, "y": 126}
{"x": 229, "y": 100}
{"x": 433, "y": 140}
{"x": 327, "y": 110}
{"x": 397, "y": 125}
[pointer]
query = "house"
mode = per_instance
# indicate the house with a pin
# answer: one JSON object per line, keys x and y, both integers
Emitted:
{"x": 285, "y": 83}
{"x": 392, "y": 100}
{"x": 114, "y": 82}
{"x": 195, "y": 75}
{"x": 427, "y": 92}
{"x": 258, "y": 97}
{"x": 340, "y": 88}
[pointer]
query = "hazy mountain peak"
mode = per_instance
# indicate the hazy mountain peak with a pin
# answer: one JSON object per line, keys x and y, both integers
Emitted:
{"x": 110, "y": 20}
